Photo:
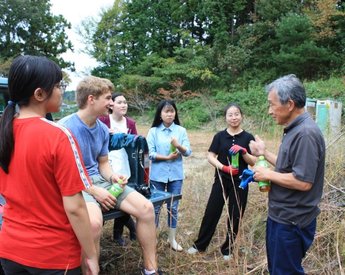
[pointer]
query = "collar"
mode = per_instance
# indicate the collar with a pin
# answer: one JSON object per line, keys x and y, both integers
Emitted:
{"x": 298, "y": 120}
{"x": 163, "y": 128}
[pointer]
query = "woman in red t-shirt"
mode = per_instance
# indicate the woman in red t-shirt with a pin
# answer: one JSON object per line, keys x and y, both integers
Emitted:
{"x": 46, "y": 223}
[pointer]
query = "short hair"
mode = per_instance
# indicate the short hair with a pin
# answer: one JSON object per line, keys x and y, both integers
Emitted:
{"x": 110, "y": 84}
{"x": 289, "y": 87}
{"x": 92, "y": 85}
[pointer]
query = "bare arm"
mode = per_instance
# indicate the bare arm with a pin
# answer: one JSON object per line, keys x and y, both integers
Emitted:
{"x": 212, "y": 159}
{"x": 103, "y": 196}
{"x": 78, "y": 216}
{"x": 258, "y": 148}
{"x": 171, "y": 156}
{"x": 270, "y": 157}
{"x": 177, "y": 145}
{"x": 249, "y": 159}
{"x": 107, "y": 173}
{"x": 286, "y": 180}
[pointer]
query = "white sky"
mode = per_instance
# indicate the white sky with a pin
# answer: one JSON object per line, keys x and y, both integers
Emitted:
{"x": 76, "y": 11}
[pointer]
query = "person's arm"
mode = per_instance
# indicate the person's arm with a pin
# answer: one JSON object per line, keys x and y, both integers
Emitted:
{"x": 151, "y": 142}
{"x": 286, "y": 180}
{"x": 78, "y": 216}
{"x": 184, "y": 146}
{"x": 103, "y": 196}
{"x": 212, "y": 159}
{"x": 107, "y": 173}
{"x": 258, "y": 148}
{"x": 131, "y": 125}
{"x": 171, "y": 156}
{"x": 249, "y": 159}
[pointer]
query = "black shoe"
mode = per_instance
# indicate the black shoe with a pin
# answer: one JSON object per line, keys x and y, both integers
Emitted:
{"x": 120, "y": 241}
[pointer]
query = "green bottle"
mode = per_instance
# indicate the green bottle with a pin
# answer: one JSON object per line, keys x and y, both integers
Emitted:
{"x": 264, "y": 186}
{"x": 234, "y": 160}
{"x": 172, "y": 148}
{"x": 116, "y": 190}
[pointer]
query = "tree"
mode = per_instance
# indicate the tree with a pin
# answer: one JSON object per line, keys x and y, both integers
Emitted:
{"x": 28, "y": 27}
{"x": 299, "y": 53}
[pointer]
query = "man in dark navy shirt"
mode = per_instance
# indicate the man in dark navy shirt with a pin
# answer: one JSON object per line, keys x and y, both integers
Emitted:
{"x": 297, "y": 180}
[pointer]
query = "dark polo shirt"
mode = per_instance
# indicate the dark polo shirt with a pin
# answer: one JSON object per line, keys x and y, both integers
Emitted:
{"x": 301, "y": 153}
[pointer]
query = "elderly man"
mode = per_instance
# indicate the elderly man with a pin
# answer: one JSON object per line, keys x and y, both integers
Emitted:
{"x": 297, "y": 180}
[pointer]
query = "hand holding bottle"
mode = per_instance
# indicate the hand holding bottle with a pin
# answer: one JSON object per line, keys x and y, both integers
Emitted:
{"x": 117, "y": 187}
{"x": 237, "y": 149}
{"x": 173, "y": 145}
{"x": 260, "y": 169}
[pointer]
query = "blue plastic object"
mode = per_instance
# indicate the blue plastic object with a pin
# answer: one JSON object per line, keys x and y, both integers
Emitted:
{"x": 246, "y": 177}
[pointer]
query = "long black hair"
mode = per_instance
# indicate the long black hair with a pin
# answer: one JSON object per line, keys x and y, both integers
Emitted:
{"x": 157, "y": 119}
{"x": 27, "y": 73}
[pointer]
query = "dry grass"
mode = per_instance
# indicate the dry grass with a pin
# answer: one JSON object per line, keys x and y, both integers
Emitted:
{"x": 326, "y": 256}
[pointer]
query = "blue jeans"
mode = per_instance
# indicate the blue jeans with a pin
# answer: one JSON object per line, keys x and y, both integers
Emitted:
{"x": 286, "y": 245}
{"x": 174, "y": 187}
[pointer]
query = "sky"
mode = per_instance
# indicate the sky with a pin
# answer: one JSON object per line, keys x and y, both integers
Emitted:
{"x": 75, "y": 11}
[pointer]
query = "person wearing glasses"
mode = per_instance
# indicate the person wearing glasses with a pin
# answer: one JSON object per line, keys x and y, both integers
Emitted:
{"x": 46, "y": 223}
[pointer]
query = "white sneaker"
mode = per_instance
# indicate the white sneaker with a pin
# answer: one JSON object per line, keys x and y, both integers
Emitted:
{"x": 192, "y": 250}
{"x": 227, "y": 257}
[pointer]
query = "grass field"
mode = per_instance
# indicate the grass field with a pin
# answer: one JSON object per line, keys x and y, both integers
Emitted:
{"x": 326, "y": 256}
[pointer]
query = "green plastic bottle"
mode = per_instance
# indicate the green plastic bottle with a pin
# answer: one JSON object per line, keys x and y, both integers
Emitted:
{"x": 234, "y": 160}
{"x": 116, "y": 190}
{"x": 264, "y": 186}
{"x": 172, "y": 148}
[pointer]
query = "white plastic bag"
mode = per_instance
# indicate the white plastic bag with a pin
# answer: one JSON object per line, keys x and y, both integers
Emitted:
{"x": 118, "y": 160}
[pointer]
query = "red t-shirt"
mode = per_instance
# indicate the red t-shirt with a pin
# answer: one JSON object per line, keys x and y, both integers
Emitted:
{"x": 45, "y": 166}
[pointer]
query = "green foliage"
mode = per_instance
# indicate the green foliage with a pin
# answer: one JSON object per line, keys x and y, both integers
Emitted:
{"x": 332, "y": 88}
{"x": 299, "y": 53}
{"x": 227, "y": 48}
{"x": 252, "y": 101}
{"x": 28, "y": 27}
{"x": 193, "y": 113}
{"x": 189, "y": 65}
{"x": 273, "y": 10}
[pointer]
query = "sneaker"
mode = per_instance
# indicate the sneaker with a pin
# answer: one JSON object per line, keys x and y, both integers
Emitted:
{"x": 192, "y": 250}
{"x": 227, "y": 257}
{"x": 158, "y": 272}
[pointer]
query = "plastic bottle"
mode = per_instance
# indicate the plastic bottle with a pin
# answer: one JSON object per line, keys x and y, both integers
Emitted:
{"x": 116, "y": 190}
{"x": 264, "y": 186}
{"x": 172, "y": 148}
{"x": 234, "y": 160}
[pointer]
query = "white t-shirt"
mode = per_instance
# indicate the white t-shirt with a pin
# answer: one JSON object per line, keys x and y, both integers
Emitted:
{"x": 118, "y": 127}
{"x": 118, "y": 159}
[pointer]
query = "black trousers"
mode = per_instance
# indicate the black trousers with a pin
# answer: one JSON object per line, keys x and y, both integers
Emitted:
{"x": 236, "y": 199}
{"x": 11, "y": 267}
{"x": 120, "y": 222}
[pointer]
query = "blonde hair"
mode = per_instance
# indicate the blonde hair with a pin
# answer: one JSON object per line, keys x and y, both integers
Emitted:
{"x": 92, "y": 85}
